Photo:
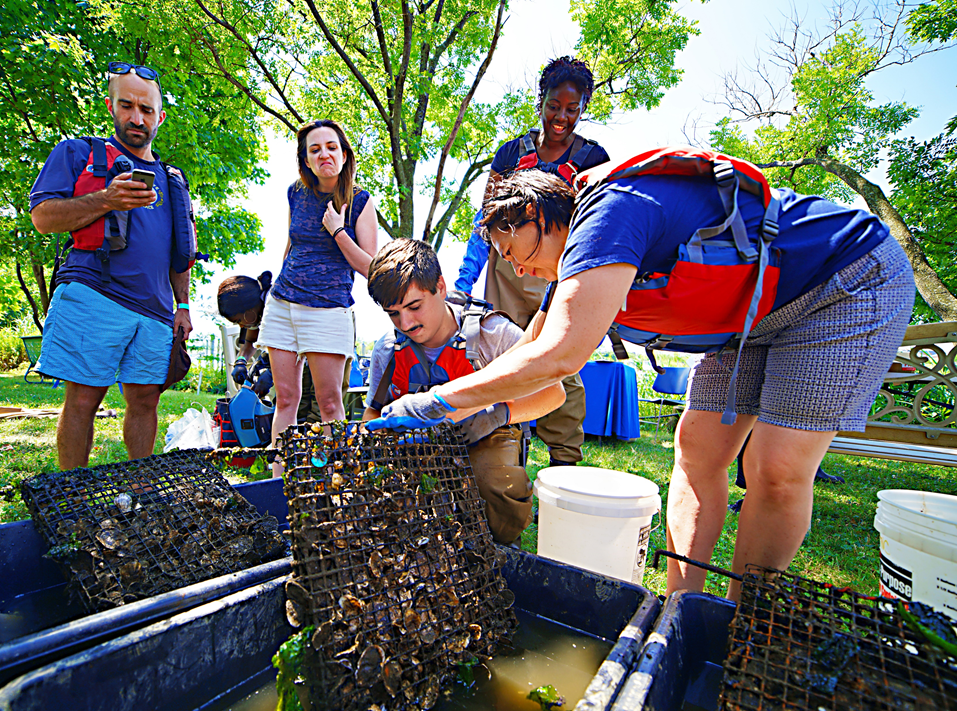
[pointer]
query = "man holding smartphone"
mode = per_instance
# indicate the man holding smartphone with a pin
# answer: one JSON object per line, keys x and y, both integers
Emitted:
{"x": 116, "y": 308}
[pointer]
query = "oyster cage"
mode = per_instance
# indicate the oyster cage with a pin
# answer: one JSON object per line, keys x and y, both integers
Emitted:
{"x": 130, "y": 530}
{"x": 394, "y": 568}
{"x": 798, "y": 644}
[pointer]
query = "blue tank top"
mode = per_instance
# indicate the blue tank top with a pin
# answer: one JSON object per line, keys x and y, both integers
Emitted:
{"x": 315, "y": 272}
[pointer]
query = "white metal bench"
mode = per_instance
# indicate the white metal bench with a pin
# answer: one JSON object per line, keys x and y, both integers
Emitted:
{"x": 915, "y": 419}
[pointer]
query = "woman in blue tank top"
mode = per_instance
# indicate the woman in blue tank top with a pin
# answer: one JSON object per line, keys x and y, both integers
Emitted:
{"x": 308, "y": 313}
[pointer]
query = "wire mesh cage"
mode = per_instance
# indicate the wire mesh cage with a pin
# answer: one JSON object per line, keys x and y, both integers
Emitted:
{"x": 395, "y": 574}
{"x": 798, "y": 644}
{"x": 130, "y": 530}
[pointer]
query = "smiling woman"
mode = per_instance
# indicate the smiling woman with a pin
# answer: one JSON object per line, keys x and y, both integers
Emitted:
{"x": 565, "y": 87}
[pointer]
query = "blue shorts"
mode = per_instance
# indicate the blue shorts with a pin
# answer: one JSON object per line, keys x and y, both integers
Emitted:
{"x": 91, "y": 340}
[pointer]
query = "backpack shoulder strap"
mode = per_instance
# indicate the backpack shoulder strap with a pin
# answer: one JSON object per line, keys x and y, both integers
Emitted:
{"x": 528, "y": 142}
{"x": 581, "y": 149}
{"x": 382, "y": 390}
{"x": 473, "y": 313}
{"x": 99, "y": 165}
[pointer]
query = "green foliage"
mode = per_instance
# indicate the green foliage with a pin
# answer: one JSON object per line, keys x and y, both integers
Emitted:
{"x": 288, "y": 660}
{"x": 924, "y": 180}
{"x": 933, "y": 21}
{"x": 204, "y": 376}
{"x": 12, "y": 353}
{"x": 832, "y": 118}
{"x": 401, "y": 76}
{"x": 547, "y": 697}
{"x": 631, "y": 47}
{"x": 13, "y": 303}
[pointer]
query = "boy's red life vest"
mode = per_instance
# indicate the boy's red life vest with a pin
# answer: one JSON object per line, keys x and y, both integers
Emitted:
{"x": 718, "y": 288}
{"x": 410, "y": 371}
{"x": 581, "y": 148}
{"x": 111, "y": 232}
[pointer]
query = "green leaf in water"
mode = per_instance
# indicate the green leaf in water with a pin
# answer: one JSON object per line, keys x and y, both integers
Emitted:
{"x": 428, "y": 483}
{"x": 547, "y": 697}
{"x": 288, "y": 660}
{"x": 467, "y": 671}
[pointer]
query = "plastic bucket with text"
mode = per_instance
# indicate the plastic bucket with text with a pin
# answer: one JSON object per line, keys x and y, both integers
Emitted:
{"x": 918, "y": 559}
{"x": 596, "y": 519}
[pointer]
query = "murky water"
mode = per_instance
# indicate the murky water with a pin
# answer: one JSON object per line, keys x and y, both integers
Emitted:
{"x": 544, "y": 653}
{"x": 35, "y": 611}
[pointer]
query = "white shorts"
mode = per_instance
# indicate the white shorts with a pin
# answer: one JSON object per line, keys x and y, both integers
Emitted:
{"x": 305, "y": 329}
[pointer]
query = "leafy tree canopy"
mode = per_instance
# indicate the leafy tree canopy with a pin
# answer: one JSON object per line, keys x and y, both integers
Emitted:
{"x": 402, "y": 76}
{"x": 821, "y": 132}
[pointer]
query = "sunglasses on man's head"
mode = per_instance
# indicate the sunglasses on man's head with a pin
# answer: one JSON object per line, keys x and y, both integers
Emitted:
{"x": 137, "y": 69}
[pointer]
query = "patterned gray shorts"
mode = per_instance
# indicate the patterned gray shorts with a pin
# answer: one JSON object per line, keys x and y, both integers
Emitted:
{"x": 817, "y": 362}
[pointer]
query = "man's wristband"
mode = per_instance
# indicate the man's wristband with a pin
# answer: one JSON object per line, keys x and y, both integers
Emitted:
{"x": 337, "y": 231}
{"x": 240, "y": 359}
{"x": 182, "y": 306}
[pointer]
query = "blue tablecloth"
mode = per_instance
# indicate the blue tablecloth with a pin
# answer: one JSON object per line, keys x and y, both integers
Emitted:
{"x": 611, "y": 400}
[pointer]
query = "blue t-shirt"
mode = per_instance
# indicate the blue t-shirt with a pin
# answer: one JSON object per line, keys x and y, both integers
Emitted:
{"x": 139, "y": 274}
{"x": 507, "y": 157}
{"x": 643, "y": 220}
{"x": 315, "y": 272}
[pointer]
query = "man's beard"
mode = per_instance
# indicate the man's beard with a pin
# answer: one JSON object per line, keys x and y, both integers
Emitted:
{"x": 122, "y": 132}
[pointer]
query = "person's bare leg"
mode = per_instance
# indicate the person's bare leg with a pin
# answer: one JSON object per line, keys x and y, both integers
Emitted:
{"x": 74, "y": 432}
{"x": 139, "y": 424}
{"x": 328, "y": 370}
{"x": 698, "y": 491}
{"x": 780, "y": 463}
{"x": 287, "y": 378}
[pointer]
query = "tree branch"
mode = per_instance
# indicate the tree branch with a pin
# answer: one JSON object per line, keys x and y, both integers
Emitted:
{"x": 463, "y": 107}
{"x": 360, "y": 77}
{"x": 380, "y": 35}
{"x": 453, "y": 34}
{"x": 228, "y": 76}
{"x": 33, "y": 303}
{"x": 471, "y": 175}
{"x": 254, "y": 55}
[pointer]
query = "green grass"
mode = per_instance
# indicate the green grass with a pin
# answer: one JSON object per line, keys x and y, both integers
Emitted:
{"x": 841, "y": 547}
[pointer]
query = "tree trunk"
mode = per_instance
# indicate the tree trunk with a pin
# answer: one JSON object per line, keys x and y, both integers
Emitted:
{"x": 39, "y": 276}
{"x": 33, "y": 304}
{"x": 930, "y": 286}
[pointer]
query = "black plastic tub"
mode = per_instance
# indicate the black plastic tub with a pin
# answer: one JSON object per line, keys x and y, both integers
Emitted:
{"x": 38, "y": 623}
{"x": 680, "y": 664}
{"x": 223, "y": 649}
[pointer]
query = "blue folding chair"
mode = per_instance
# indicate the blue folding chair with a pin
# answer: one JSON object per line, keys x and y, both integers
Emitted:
{"x": 673, "y": 381}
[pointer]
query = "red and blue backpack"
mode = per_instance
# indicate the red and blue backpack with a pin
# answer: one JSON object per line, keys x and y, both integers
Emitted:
{"x": 719, "y": 287}
{"x": 111, "y": 232}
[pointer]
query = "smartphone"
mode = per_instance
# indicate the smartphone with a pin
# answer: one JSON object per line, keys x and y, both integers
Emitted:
{"x": 144, "y": 176}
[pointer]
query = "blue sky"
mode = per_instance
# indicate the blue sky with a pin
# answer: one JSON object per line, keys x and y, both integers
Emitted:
{"x": 732, "y": 32}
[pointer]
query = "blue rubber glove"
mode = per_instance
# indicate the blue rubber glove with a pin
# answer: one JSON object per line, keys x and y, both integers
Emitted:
{"x": 420, "y": 406}
{"x": 401, "y": 423}
{"x": 483, "y": 423}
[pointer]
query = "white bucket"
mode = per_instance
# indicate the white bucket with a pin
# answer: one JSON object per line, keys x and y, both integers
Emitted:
{"x": 596, "y": 519}
{"x": 919, "y": 547}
